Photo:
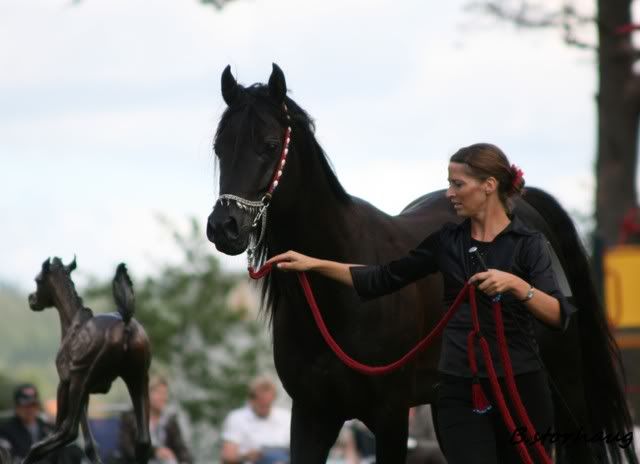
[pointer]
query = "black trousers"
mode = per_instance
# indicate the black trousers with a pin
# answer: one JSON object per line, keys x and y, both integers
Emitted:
{"x": 467, "y": 437}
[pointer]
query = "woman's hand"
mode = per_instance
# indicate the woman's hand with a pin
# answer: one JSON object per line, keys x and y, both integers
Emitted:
{"x": 542, "y": 306}
{"x": 293, "y": 261}
{"x": 494, "y": 281}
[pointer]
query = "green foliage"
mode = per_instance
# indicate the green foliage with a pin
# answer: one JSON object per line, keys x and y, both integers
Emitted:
{"x": 6, "y": 392}
{"x": 28, "y": 341}
{"x": 209, "y": 350}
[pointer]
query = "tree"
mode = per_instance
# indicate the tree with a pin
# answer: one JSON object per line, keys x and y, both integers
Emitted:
{"x": 207, "y": 348}
{"x": 618, "y": 95}
{"x": 218, "y": 4}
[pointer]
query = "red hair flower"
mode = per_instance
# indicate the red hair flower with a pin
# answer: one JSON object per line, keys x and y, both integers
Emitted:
{"x": 518, "y": 176}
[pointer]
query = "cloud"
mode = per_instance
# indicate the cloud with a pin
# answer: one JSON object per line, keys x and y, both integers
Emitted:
{"x": 108, "y": 109}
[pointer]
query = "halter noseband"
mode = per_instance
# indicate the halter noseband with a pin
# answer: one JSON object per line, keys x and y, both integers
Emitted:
{"x": 260, "y": 207}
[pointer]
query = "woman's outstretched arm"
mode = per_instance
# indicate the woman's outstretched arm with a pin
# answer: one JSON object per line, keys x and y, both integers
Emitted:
{"x": 294, "y": 261}
{"x": 374, "y": 280}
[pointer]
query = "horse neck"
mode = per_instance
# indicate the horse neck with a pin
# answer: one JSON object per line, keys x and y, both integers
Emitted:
{"x": 67, "y": 302}
{"x": 320, "y": 216}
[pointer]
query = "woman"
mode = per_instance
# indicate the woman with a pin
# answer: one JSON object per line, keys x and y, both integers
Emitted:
{"x": 168, "y": 446}
{"x": 481, "y": 186}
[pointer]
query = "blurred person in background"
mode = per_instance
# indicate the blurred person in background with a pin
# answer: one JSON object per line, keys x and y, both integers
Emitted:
{"x": 27, "y": 427}
{"x": 423, "y": 445}
{"x": 257, "y": 433}
{"x": 636, "y": 428}
{"x": 167, "y": 442}
{"x": 5, "y": 457}
{"x": 345, "y": 451}
{"x": 365, "y": 441}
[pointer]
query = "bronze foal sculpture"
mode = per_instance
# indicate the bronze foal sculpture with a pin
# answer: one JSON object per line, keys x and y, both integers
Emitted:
{"x": 94, "y": 351}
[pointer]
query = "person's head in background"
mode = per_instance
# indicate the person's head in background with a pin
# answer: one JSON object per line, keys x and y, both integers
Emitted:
{"x": 158, "y": 394}
{"x": 26, "y": 403}
{"x": 262, "y": 394}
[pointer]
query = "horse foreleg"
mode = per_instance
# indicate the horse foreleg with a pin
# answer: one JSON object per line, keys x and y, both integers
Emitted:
{"x": 62, "y": 402}
{"x": 139, "y": 391}
{"x": 90, "y": 447}
{"x": 392, "y": 431}
{"x": 67, "y": 431}
{"x": 313, "y": 432}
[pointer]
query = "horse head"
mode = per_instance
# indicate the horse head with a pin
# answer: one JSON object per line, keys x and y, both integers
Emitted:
{"x": 53, "y": 274}
{"x": 249, "y": 144}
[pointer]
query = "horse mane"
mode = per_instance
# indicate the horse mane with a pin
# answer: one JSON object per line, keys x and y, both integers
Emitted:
{"x": 256, "y": 100}
{"x": 68, "y": 281}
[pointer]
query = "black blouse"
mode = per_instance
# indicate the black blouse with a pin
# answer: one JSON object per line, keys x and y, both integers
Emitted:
{"x": 517, "y": 250}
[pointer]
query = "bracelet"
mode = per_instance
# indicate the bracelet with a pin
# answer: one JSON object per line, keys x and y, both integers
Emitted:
{"x": 529, "y": 295}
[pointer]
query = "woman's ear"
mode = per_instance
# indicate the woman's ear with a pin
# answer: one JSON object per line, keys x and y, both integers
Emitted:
{"x": 490, "y": 185}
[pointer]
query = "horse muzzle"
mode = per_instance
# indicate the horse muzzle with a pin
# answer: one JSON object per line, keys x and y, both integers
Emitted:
{"x": 34, "y": 304}
{"x": 228, "y": 228}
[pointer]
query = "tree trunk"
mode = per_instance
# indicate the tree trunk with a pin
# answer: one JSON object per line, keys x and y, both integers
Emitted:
{"x": 618, "y": 106}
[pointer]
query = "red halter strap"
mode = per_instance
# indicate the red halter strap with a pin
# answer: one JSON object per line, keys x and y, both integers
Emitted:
{"x": 283, "y": 155}
{"x": 479, "y": 399}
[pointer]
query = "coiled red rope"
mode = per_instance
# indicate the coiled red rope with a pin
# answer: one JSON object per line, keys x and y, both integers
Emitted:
{"x": 479, "y": 399}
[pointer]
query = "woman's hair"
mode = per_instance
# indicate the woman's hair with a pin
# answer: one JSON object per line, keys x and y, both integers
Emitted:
{"x": 485, "y": 160}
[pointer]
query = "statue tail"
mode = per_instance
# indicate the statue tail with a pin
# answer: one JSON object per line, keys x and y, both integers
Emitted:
{"x": 123, "y": 293}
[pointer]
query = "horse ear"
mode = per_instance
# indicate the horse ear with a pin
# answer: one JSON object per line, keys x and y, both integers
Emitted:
{"x": 72, "y": 265}
{"x": 45, "y": 265}
{"x": 230, "y": 88}
{"x": 277, "y": 84}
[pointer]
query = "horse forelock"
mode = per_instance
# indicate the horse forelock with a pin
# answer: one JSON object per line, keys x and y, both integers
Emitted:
{"x": 257, "y": 102}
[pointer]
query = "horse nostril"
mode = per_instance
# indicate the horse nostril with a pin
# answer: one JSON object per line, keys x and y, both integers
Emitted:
{"x": 230, "y": 227}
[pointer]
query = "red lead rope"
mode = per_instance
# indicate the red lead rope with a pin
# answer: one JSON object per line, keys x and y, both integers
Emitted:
{"x": 467, "y": 291}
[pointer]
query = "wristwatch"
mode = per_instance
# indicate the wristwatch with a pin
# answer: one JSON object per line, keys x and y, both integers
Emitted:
{"x": 529, "y": 295}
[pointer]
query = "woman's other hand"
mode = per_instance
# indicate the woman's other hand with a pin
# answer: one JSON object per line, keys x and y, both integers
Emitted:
{"x": 494, "y": 281}
{"x": 293, "y": 261}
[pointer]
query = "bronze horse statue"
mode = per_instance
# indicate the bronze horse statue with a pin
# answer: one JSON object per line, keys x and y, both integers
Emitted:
{"x": 94, "y": 351}
{"x": 310, "y": 212}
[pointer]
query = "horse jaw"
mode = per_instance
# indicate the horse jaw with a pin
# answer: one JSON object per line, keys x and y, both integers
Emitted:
{"x": 231, "y": 248}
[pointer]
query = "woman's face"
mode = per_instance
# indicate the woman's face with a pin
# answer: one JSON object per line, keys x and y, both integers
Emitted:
{"x": 467, "y": 194}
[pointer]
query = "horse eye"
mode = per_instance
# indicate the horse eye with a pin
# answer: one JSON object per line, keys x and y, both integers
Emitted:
{"x": 269, "y": 147}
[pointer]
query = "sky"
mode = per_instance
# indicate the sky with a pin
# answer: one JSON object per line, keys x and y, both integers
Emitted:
{"x": 108, "y": 110}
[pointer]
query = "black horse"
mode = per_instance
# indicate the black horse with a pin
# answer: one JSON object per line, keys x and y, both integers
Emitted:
{"x": 311, "y": 212}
